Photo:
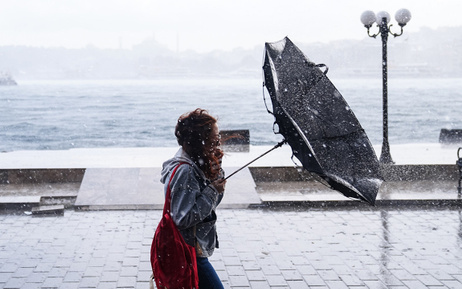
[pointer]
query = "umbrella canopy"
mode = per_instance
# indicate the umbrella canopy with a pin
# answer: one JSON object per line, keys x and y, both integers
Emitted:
{"x": 318, "y": 124}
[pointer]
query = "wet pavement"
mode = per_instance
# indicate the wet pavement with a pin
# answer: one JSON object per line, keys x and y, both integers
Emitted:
{"x": 411, "y": 239}
{"x": 259, "y": 248}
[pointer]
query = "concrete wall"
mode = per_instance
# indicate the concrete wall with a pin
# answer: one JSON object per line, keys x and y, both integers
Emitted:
{"x": 35, "y": 176}
{"x": 389, "y": 173}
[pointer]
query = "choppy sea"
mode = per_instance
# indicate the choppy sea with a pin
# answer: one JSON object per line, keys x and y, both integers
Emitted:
{"x": 55, "y": 115}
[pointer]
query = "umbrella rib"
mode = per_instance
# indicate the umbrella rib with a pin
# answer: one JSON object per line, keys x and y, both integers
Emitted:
{"x": 264, "y": 99}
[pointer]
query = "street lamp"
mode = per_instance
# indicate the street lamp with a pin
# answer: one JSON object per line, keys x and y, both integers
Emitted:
{"x": 382, "y": 18}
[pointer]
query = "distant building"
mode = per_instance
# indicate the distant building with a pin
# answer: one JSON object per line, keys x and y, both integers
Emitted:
{"x": 6, "y": 79}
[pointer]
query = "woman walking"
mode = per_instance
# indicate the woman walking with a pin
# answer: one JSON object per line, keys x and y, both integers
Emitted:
{"x": 197, "y": 187}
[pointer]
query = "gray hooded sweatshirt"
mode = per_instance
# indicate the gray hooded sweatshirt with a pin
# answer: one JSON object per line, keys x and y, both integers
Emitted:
{"x": 193, "y": 203}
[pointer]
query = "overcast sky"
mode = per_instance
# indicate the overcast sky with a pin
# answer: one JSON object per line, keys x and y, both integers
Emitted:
{"x": 203, "y": 25}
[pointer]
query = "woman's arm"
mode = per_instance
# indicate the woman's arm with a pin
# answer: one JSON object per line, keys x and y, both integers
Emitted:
{"x": 190, "y": 205}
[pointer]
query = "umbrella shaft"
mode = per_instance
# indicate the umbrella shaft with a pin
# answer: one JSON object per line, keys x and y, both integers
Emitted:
{"x": 275, "y": 147}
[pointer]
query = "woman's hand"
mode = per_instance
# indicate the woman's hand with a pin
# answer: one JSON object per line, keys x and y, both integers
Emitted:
{"x": 219, "y": 185}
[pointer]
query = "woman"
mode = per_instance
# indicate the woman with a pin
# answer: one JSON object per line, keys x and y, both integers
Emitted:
{"x": 197, "y": 188}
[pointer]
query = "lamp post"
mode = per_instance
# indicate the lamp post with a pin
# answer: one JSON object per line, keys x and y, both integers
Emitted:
{"x": 382, "y": 18}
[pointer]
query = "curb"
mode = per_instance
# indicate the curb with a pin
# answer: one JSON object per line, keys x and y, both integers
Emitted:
{"x": 429, "y": 203}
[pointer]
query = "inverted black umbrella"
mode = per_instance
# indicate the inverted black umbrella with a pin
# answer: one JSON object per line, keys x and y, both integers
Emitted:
{"x": 318, "y": 124}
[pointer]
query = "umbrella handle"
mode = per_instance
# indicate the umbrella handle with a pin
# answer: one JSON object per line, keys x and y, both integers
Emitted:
{"x": 275, "y": 147}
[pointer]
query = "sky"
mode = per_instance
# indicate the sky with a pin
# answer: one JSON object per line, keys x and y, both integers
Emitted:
{"x": 203, "y": 25}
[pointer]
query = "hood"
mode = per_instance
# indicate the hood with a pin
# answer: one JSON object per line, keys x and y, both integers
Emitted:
{"x": 169, "y": 165}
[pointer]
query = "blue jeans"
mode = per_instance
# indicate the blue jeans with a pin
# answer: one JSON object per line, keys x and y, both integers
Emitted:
{"x": 208, "y": 278}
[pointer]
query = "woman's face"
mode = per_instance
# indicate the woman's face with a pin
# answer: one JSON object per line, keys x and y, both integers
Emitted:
{"x": 214, "y": 137}
{"x": 215, "y": 147}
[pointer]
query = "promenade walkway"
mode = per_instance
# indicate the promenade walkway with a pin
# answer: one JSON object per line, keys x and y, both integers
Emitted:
{"x": 295, "y": 245}
{"x": 259, "y": 248}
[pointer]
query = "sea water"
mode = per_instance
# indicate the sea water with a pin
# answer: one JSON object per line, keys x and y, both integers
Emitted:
{"x": 55, "y": 115}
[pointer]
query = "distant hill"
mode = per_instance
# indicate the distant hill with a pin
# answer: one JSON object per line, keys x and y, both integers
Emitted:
{"x": 426, "y": 53}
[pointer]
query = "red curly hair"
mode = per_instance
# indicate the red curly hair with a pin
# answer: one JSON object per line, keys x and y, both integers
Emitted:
{"x": 194, "y": 133}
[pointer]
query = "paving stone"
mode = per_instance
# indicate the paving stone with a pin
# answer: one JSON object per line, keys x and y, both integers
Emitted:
{"x": 113, "y": 265}
{"x": 235, "y": 270}
{"x": 96, "y": 261}
{"x": 129, "y": 271}
{"x": 291, "y": 275}
{"x": 142, "y": 285}
{"x": 22, "y": 272}
{"x": 255, "y": 275}
{"x": 14, "y": 283}
{"x": 351, "y": 280}
{"x": 402, "y": 274}
{"x": 247, "y": 256}
{"x": 35, "y": 278}
{"x": 64, "y": 262}
{"x": 414, "y": 284}
{"x": 452, "y": 284}
{"x": 259, "y": 285}
{"x": 145, "y": 265}
{"x": 306, "y": 270}
{"x": 131, "y": 261}
{"x": 366, "y": 275}
{"x": 231, "y": 260}
{"x": 458, "y": 276}
{"x": 71, "y": 285}
{"x": 52, "y": 282}
{"x": 109, "y": 285}
{"x": 314, "y": 280}
{"x": 130, "y": 252}
{"x": 330, "y": 275}
{"x": 276, "y": 280}
{"x": 28, "y": 286}
{"x": 371, "y": 284}
{"x": 73, "y": 277}
{"x": 270, "y": 270}
{"x": 429, "y": 280}
{"x": 76, "y": 267}
{"x": 226, "y": 285}
{"x": 389, "y": 279}
{"x": 92, "y": 271}
{"x": 251, "y": 265}
{"x": 126, "y": 282}
{"x": 238, "y": 281}
{"x": 440, "y": 275}
{"x": 43, "y": 267}
{"x": 9, "y": 267}
{"x": 337, "y": 284}
{"x": 89, "y": 282}
{"x": 109, "y": 276}
{"x": 218, "y": 265}
{"x": 57, "y": 272}
{"x": 297, "y": 285}
{"x": 223, "y": 275}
